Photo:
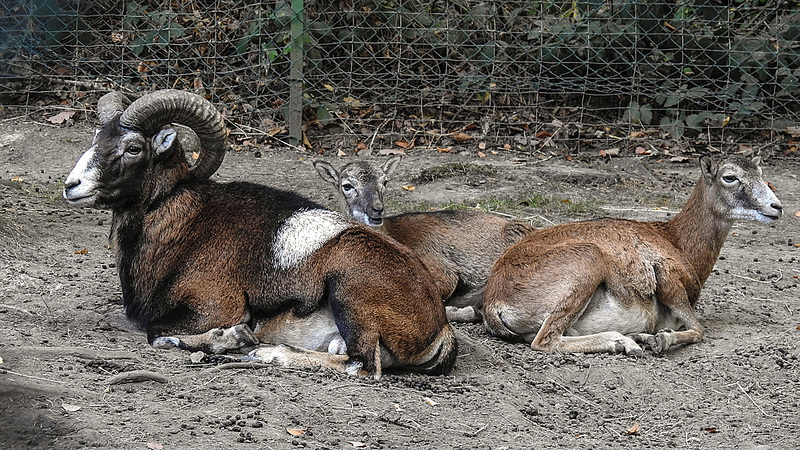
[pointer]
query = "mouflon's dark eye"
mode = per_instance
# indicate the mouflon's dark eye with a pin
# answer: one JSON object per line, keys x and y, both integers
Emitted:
{"x": 729, "y": 179}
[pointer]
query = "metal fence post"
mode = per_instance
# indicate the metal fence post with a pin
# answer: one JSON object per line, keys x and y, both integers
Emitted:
{"x": 295, "y": 119}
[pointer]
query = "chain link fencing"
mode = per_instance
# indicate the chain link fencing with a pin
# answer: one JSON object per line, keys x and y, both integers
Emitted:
{"x": 643, "y": 76}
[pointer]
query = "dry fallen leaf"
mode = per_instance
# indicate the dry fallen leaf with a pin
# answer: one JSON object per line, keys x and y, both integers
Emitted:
{"x": 357, "y": 444}
{"x": 18, "y": 179}
{"x": 295, "y": 431}
{"x": 482, "y": 145}
{"x": 566, "y": 201}
{"x": 341, "y": 153}
{"x": 678, "y": 159}
{"x": 408, "y": 187}
{"x": 481, "y": 155}
{"x": 354, "y": 102}
{"x": 642, "y": 151}
{"x": 542, "y": 135}
{"x": 633, "y": 429}
{"x": 154, "y": 446}
{"x": 797, "y": 213}
{"x": 794, "y": 131}
{"x": 195, "y": 156}
{"x": 444, "y": 150}
{"x": 430, "y": 401}
{"x": 745, "y": 150}
{"x": 461, "y": 137}
{"x": 610, "y": 152}
{"x": 711, "y": 430}
{"x": 82, "y": 251}
{"x": 61, "y": 117}
{"x": 404, "y": 144}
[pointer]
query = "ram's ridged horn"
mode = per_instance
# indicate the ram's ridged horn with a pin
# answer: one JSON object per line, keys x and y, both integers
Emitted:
{"x": 110, "y": 105}
{"x": 154, "y": 110}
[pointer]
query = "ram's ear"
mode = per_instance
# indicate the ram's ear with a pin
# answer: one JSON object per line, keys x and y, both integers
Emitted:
{"x": 164, "y": 140}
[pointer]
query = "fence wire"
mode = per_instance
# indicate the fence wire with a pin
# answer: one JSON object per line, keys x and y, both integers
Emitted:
{"x": 584, "y": 74}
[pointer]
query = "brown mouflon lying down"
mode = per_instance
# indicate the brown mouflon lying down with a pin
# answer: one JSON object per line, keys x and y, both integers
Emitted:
{"x": 222, "y": 266}
{"x": 611, "y": 285}
{"x": 459, "y": 247}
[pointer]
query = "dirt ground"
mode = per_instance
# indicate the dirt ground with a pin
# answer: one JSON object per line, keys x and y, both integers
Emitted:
{"x": 63, "y": 335}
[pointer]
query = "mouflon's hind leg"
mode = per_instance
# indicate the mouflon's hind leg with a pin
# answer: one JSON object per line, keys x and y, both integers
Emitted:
{"x": 290, "y": 356}
{"x": 217, "y": 340}
{"x": 606, "y": 342}
{"x": 467, "y": 314}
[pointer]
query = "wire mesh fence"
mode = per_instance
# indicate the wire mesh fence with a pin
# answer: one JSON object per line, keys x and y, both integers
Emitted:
{"x": 583, "y": 74}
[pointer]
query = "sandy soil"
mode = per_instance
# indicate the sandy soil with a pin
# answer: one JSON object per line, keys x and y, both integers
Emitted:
{"x": 63, "y": 335}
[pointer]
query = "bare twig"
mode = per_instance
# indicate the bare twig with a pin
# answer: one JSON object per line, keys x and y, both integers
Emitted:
{"x": 250, "y": 131}
{"x": 476, "y": 432}
{"x": 79, "y": 352}
{"x": 32, "y": 377}
{"x": 572, "y": 393}
{"x": 750, "y": 279}
{"x": 751, "y": 399}
{"x": 137, "y": 376}
{"x": 541, "y": 217}
{"x": 639, "y": 210}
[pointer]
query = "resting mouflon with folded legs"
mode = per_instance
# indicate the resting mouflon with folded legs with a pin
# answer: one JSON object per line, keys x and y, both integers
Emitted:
{"x": 221, "y": 266}
{"x": 611, "y": 285}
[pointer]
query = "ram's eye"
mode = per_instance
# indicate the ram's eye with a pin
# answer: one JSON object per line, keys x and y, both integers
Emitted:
{"x": 134, "y": 149}
{"x": 347, "y": 187}
{"x": 730, "y": 179}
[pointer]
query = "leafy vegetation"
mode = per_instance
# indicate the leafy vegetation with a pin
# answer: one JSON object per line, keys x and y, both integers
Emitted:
{"x": 684, "y": 66}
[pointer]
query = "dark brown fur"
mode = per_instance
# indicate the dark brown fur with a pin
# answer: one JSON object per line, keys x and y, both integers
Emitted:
{"x": 198, "y": 265}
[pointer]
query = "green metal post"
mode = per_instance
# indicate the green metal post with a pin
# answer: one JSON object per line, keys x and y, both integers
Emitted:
{"x": 296, "y": 74}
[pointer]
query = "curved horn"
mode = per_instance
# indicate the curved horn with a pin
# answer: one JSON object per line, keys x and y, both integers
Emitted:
{"x": 152, "y": 111}
{"x": 110, "y": 105}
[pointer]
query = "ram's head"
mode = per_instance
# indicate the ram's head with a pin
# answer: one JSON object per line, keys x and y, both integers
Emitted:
{"x": 136, "y": 138}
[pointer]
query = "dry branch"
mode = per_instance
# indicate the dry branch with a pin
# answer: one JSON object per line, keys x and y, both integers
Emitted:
{"x": 137, "y": 376}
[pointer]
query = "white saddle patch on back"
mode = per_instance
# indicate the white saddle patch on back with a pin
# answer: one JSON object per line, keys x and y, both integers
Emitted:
{"x": 305, "y": 232}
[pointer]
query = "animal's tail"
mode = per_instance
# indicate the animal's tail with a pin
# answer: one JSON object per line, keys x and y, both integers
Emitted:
{"x": 493, "y": 321}
{"x": 444, "y": 351}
